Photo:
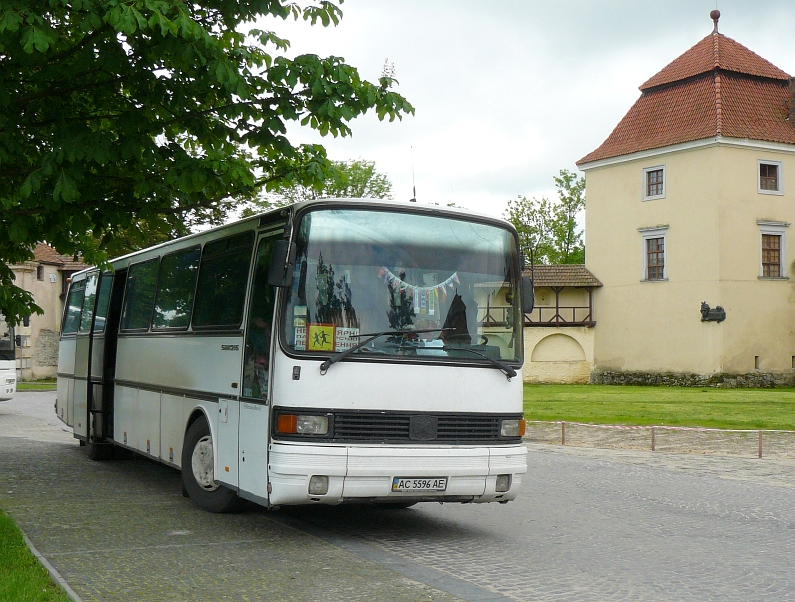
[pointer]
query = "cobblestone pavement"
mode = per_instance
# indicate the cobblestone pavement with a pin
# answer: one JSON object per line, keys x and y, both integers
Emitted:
{"x": 590, "y": 524}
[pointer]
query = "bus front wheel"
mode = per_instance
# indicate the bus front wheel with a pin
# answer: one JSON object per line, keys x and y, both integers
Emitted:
{"x": 198, "y": 475}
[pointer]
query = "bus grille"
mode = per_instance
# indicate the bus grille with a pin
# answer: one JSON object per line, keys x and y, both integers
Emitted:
{"x": 396, "y": 428}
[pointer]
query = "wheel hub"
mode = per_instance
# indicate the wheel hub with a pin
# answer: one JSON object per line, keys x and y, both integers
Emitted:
{"x": 202, "y": 464}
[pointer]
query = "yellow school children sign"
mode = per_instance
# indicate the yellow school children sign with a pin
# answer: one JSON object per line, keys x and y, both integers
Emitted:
{"x": 320, "y": 337}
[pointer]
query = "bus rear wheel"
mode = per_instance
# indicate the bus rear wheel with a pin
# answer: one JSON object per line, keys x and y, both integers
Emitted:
{"x": 198, "y": 475}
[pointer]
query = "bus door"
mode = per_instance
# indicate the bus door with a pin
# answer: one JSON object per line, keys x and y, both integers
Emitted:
{"x": 255, "y": 396}
{"x": 83, "y": 356}
{"x": 97, "y": 413}
{"x": 67, "y": 353}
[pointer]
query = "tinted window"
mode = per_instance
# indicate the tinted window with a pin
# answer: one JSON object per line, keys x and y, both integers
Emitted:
{"x": 221, "y": 290}
{"x": 175, "y": 288}
{"x": 105, "y": 286}
{"x": 73, "y": 307}
{"x": 89, "y": 297}
{"x": 139, "y": 296}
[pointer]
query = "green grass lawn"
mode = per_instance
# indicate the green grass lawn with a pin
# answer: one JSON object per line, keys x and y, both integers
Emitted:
{"x": 673, "y": 406}
{"x": 22, "y": 578}
{"x": 48, "y": 384}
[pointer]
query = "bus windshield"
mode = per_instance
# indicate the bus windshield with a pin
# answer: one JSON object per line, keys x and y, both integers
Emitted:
{"x": 447, "y": 286}
{"x": 6, "y": 341}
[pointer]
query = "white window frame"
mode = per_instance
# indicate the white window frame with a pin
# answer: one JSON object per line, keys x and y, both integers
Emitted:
{"x": 646, "y": 234}
{"x": 775, "y": 229}
{"x": 780, "y": 179}
{"x": 646, "y": 170}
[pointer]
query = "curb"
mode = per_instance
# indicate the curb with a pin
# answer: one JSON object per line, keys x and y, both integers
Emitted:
{"x": 54, "y": 574}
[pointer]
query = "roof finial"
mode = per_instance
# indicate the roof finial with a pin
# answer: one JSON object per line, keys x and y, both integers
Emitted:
{"x": 715, "y": 15}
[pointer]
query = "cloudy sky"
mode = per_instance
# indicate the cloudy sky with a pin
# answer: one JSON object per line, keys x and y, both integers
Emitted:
{"x": 508, "y": 93}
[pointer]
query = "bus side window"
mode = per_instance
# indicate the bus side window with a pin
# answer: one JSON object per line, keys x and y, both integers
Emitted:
{"x": 260, "y": 322}
{"x": 105, "y": 286}
{"x": 223, "y": 275}
{"x": 175, "y": 288}
{"x": 88, "y": 302}
{"x": 74, "y": 306}
{"x": 139, "y": 298}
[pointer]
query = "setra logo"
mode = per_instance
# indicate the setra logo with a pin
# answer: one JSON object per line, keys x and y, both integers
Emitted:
{"x": 230, "y": 347}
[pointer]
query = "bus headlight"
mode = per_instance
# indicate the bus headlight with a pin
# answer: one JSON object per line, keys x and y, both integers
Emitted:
{"x": 512, "y": 428}
{"x": 300, "y": 424}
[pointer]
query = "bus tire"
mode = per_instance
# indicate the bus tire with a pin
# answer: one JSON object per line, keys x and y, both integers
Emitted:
{"x": 100, "y": 451}
{"x": 197, "y": 472}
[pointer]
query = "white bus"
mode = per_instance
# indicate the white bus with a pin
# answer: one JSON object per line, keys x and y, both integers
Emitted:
{"x": 333, "y": 351}
{"x": 8, "y": 372}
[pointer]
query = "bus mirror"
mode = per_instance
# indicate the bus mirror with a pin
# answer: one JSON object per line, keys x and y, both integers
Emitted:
{"x": 528, "y": 297}
{"x": 282, "y": 262}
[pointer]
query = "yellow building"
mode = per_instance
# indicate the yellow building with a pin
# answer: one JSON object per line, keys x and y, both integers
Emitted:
{"x": 46, "y": 276}
{"x": 691, "y": 200}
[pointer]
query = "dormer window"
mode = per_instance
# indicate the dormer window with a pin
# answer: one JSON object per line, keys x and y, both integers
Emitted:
{"x": 654, "y": 182}
{"x": 770, "y": 177}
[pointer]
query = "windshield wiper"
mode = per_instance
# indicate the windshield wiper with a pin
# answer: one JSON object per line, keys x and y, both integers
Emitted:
{"x": 366, "y": 338}
{"x": 505, "y": 368}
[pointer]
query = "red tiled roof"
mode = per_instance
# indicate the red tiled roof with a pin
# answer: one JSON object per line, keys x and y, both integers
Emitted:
{"x": 716, "y": 51}
{"x": 563, "y": 275}
{"x": 44, "y": 253}
{"x": 744, "y": 96}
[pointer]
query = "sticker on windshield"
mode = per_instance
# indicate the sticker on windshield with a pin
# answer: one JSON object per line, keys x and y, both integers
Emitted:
{"x": 345, "y": 338}
{"x": 300, "y": 338}
{"x": 320, "y": 337}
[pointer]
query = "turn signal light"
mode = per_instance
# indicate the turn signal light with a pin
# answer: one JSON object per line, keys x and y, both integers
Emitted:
{"x": 292, "y": 424}
{"x": 286, "y": 423}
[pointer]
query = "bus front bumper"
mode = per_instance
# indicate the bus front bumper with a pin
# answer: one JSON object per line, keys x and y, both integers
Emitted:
{"x": 361, "y": 473}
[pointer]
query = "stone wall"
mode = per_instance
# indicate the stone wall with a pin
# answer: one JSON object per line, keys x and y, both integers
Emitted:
{"x": 45, "y": 355}
{"x": 688, "y": 379}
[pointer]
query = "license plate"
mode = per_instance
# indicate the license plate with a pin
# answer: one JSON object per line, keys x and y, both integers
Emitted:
{"x": 419, "y": 483}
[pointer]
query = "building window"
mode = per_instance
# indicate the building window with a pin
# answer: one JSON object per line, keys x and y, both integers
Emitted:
{"x": 655, "y": 258}
{"x": 773, "y": 246}
{"x": 40, "y": 272}
{"x": 770, "y": 180}
{"x": 654, "y": 182}
{"x": 771, "y": 255}
{"x": 654, "y": 247}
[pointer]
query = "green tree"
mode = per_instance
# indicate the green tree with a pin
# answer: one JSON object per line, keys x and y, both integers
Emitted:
{"x": 346, "y": 179}
{"x": 115, "y": 113}
{"x": 548, "y": 229}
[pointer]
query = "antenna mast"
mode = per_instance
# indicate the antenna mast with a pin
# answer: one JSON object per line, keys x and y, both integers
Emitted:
{"x": 413, "y": 199}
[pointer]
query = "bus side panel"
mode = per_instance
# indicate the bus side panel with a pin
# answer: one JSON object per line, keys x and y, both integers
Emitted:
{"x": 205, "y": 364}
{"x": 80, "y": 411}
{"x": 254, "y": 449}
{"x": 227, "y": 443}
{"x": 126, "y": 401}
{"x": 172, "y": 427}
{"x": 66, "y": 368}
{"x": 62, "y": 394}
{"x": 147, "y": 423}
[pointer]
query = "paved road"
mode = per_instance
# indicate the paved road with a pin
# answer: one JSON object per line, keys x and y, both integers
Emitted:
{"x": 591, "y": 525}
